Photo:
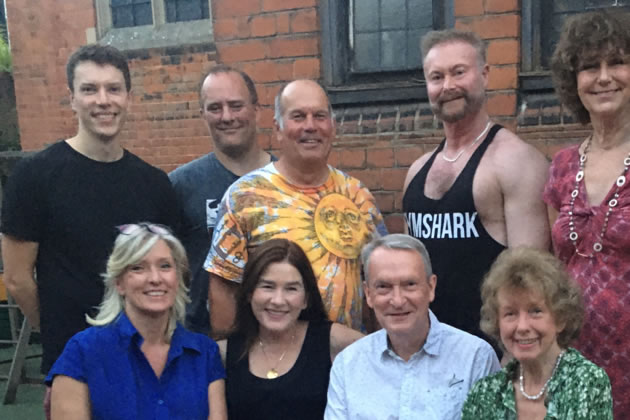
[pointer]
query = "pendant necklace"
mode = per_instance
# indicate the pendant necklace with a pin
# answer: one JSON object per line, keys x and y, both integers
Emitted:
{"x": 461, "y": 152}
{"x": 544, "y": 388}
{"x": 612, "y": 203}
{"x": 272, "y": 373}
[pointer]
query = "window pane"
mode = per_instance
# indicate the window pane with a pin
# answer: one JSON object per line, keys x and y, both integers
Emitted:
{"x": 184, "y": 10}
{"x": 365, "y": 15}
{"x": 127, "y": 13}
{"x": 367, "y": 52}
{"x": 393, "y": 13}
{"x": 385, "y": 34}
{"x": 393, "y": 50}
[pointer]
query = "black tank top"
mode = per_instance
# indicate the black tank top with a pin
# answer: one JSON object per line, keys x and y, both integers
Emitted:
{"x": 460, "y": 248}
{"x": 298, "y": 394}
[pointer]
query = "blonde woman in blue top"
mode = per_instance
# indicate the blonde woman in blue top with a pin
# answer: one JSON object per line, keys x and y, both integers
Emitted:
{"x": 534, "y": 310}
{"x": 137, "y": 361}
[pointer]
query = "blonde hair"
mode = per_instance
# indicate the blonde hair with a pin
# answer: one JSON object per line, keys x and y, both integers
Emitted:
{"x": 129, "y": 248}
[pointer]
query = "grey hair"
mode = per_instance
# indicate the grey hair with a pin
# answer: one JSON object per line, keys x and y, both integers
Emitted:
{"x": 433, "y": 38}
{"x": 278, "y": 109}
{"x": 396, "y": 241}
{"x": 129, "y": 249}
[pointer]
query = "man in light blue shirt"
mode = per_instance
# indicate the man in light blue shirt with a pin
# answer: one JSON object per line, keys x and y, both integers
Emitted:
{"x": 415, "y": 367}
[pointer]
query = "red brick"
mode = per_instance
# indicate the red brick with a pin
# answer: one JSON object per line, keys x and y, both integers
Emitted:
{"x": 380, "y": 158}
{"x": 502, "y": 104}
{"x": 333, "y": 158}
{"x": 269, "y": 71}
{"x": 393, "y": 179}
{"x": 501, "y": 6}
{"x": 274, "y": 5}
{"x": 504, "y": 77}
{"x": 352, "y": 158}
{"x": 492, "y": 26}
{"x": 304, "y": 21}
{"x": 282, "y": 23}
{"x": 503, "y": 51}
{"x": 384, "y": 201}
{"x": 263, "y": 25}
{"x": 408, "y": 155}
{"x": 395, "y": 223}
{"x": 291, "y": 47}
{"x": 243, "y": 51}
{"x": 468, "y": 8}
{"x": 371, "y": 178}
{"x": 232, "y": 8}
{"x": 265, "y": 119}
{"x": 306, "y": 68}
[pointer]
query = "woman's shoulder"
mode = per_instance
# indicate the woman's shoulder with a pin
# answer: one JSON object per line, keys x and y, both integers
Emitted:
{"x": 200, "y": 342}
{"x": 578, "y": 368}
{"x": 564, "y": 156}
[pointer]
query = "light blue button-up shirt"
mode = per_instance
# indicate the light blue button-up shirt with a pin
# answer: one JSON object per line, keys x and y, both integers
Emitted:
{"x": 369, "y": 381}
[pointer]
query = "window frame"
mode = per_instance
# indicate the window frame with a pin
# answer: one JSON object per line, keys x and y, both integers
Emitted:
{"x": 342, "y": 85}
{"x": 158, "y": 35}
{"x": 533, "y": 78}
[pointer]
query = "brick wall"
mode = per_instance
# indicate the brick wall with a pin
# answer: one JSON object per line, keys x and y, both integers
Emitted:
{"x": 274, "y": 41}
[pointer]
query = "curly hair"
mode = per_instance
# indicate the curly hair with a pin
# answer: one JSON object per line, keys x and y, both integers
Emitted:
{"x": 587, "y": 39}
{"x": 533, "y": 270}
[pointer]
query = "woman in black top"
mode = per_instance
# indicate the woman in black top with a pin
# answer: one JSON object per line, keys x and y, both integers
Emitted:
{"x": 279, "y": 359}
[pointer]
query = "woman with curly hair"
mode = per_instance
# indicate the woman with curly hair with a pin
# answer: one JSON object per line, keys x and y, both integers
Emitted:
{"x": 534, "y": 311}
{"x": 588, "y": 186}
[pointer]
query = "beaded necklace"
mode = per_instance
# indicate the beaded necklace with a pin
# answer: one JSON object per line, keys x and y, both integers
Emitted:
{"x": 544, "y": 388}
{"x": 612, "y": 203}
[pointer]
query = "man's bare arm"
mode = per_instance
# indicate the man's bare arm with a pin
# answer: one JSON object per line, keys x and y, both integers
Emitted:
{"x": 19, "y": 266}
{"x": 222, "y": 300}
{"x": 522, "y": 181}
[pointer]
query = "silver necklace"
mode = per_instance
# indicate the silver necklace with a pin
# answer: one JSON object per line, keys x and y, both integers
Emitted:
{"x": 544, "y": 388}
{"x": 612, "y": 203}
{"x": 461, "y": 152}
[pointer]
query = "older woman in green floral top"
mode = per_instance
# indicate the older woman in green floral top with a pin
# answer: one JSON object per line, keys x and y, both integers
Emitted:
{"x": 534, "y": 310}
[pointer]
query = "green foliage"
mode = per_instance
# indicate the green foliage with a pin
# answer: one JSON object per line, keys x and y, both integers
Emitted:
{"x": 5, "y": 52}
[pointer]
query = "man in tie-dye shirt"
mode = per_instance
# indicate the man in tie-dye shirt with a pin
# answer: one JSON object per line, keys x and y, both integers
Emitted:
{"x": 300, "y": 197}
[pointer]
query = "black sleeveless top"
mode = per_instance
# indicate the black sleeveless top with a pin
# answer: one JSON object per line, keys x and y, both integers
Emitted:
{"x": 460, "y": 248}
{"x": 298, "y": 394}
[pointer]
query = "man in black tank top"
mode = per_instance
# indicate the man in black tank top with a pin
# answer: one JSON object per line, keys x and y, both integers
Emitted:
{"x": 480, "y": 191}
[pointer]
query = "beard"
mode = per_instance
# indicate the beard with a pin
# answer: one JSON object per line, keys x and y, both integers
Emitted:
{"x": 473, "y": 102}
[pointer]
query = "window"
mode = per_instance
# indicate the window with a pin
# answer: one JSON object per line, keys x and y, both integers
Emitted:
{"x": 138, "y": 24}
{"x": 541, "y": 27}
{"x": 371, "y": 48}
{"x": 131, "y": 13}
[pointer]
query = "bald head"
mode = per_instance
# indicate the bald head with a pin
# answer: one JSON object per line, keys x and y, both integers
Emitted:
{"x": 299, "y": 87}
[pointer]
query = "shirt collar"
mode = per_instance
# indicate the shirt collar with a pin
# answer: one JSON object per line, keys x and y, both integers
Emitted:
{"x": 431, "y": 345}
{"x": 181, "y": 338}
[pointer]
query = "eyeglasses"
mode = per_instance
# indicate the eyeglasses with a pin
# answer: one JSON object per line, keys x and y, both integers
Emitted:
{"x": 130, "y": 229}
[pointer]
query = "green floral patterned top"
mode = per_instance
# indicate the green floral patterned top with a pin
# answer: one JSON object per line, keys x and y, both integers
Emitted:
{"x": 578, "y": 390}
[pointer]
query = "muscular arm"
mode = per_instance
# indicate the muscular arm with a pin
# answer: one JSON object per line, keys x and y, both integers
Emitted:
{"x": 222, "y": 300}
{"x": 70, "y": 399}
{"x": 522, "y": 178}
{"x": 19, "y": 265}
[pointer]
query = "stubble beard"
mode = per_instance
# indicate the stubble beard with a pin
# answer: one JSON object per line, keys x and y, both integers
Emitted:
{"x": 472, "y": 105}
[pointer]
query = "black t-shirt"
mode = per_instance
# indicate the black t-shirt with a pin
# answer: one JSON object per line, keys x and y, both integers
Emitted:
{"x": 70, "y": 205}
{"x": 298, "y": 394}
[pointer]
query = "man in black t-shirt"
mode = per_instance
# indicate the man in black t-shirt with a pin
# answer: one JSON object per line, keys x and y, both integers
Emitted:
{"x": 62, "y": 205}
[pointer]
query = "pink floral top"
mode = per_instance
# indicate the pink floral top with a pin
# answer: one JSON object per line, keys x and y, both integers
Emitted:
{"x": 604, "y": 277}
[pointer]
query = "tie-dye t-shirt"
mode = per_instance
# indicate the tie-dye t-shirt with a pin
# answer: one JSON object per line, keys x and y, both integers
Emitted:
{"x": 330, "y": 222}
